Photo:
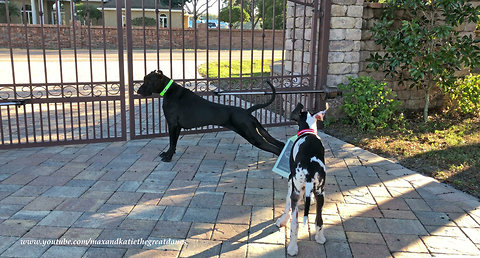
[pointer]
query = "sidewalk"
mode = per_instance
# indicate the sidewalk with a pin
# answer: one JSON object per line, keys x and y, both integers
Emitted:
{"x": 219, "y": 197}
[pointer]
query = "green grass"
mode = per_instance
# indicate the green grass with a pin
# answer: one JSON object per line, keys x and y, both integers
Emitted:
{"x": 447, "y": 149}
{"x": 246, "y": 69}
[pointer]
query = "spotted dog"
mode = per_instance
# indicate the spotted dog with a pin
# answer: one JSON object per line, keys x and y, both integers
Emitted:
{"x": 307, "y": 175}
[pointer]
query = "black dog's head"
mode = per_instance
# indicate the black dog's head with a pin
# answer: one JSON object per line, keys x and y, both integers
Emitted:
{"x": 153, "y": 82}
{"x": 304, "y": 119}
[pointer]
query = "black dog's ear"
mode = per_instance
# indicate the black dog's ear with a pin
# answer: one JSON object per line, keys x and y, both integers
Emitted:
{"x": 159, "y": 72}
{"x": 295, "y": 115}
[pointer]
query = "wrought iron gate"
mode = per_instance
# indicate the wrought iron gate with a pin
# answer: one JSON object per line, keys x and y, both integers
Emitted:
{"x": 51, "y": 97}
{"x": 182, "y": 49}
{"x": 61, "y": 84}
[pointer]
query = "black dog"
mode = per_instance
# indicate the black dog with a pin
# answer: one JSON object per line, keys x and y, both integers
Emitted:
{"x": 185, "y": 109}
{"x": 307, "y": 174}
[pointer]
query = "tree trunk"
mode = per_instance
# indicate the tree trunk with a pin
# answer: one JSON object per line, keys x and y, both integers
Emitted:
{"x": 427, "y": 103}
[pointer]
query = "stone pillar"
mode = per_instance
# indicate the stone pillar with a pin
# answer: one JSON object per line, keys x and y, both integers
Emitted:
{"x": 345, "y": 38}
{"x": 344, "y": 46}
{"x": 297, "y": 41}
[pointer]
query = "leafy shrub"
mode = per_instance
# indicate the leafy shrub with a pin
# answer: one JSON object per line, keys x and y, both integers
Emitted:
{"x": 85, "y": 12}
{"x": 368, "y": 103}
{"x": 12, "y": 11}
{"x": 236, "y": 15}
{"x": 149, "y": 22}
{"x": 423, "y": 45}
{"x": 465, "y": 95}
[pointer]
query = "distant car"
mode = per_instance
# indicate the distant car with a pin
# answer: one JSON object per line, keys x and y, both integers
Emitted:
{"x": 212, "y": 25}
{"x": 224, "y": 25}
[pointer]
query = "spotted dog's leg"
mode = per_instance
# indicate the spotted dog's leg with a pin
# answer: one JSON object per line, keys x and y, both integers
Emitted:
{"x": 283, "y": 220}
{"x": 296, "y": 196}
{"x": 320, "y": 196}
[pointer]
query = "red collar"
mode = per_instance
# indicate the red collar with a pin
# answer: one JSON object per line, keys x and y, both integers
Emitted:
{"x": 305, "y": 131}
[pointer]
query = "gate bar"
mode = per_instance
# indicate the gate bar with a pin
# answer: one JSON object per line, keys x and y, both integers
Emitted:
{"x": 128, "y": 21}
{"x": 323, "y": 44}
{"x": 313, "y": 48}
{"x": 273, "y": 51}
{"x": 121, "y": 75}
{"x": 267, "y": 93}
{"x": 7, "y": 17}
{"x": 13, "y": 102}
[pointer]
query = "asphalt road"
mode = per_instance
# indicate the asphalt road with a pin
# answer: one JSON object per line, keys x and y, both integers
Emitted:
{"x": 97, "y": 66}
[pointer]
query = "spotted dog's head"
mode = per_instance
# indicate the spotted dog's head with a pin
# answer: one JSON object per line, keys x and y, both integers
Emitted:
{"x": 304, "y": 119}
{"x": 153, "y": 82}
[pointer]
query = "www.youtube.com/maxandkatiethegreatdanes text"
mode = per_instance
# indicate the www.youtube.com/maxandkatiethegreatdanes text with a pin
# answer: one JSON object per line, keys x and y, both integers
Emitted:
{"x": 98, "y": 242}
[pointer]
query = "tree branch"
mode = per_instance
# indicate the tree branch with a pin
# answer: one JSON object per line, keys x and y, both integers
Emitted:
{"x": 204, "y": 5}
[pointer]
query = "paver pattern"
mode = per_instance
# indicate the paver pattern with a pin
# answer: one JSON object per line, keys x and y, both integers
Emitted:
{"x": 218, "y": 197}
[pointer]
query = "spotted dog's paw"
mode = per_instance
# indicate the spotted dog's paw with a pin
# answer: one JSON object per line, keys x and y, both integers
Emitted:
{"x": 319, "y": 237}
{"x": 282, "y": 221}
{"x": 292, "y": 249}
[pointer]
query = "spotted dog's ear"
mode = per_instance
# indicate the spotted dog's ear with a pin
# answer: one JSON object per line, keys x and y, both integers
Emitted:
{"x": 320, "y": 115}
{"x": 295, "y": 115}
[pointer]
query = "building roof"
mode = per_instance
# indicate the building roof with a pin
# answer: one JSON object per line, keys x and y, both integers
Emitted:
{"x": 147, "y": 4}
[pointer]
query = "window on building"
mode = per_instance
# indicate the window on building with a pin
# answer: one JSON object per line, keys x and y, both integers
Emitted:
{"x": 163, "y": 21}
{"x": 27, "y": 10}
{"x": 55, "y": 14}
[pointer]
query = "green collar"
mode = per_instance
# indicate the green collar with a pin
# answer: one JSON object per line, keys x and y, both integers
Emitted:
{"x": 166, "y": 88}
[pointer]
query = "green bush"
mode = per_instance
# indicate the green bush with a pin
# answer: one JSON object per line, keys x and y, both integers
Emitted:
{"x": 423, "y": 45}
{"x": 368, "y": 103}
{"x": 465, "y": 95}
{"x": 84, "y": 13}
{"x": 12, "y": 11}
{"x": 149, "y": 22}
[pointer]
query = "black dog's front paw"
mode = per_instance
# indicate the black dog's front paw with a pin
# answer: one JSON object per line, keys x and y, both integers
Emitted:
{"x": 166, "y": 156}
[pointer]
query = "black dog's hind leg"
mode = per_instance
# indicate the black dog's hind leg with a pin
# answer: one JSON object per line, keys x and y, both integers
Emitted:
{"x": 174, "y": 133}
{"x": 271, "y": 140}
{"x": 253, "y": 136}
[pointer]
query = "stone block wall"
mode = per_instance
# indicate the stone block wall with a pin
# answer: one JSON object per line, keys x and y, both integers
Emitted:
{"x": 298, "y": 36}
{"x": 345, "y": 41}
{"x": 97, "y": 33}
{"x": 350, "y": 44}
{"x": 344, "y": 45}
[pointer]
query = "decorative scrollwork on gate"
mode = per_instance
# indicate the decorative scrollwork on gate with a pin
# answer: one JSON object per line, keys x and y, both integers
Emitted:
{"x": 114, "y": 89}
{"x": 59, "y": 91}
{"x": 38, "y": 92}
{"x": 292, "y": 81}
{"x": 6, "y": 93}
{"x": 136, "y": 85}
{"x": 69, "y": 91}
{"x": 199, "y": 86}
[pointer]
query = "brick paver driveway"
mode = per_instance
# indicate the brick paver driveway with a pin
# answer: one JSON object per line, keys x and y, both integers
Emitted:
{"x": 219, "y": 197}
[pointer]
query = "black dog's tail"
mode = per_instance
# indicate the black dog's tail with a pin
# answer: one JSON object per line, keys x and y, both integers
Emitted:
{"x": 258, "y": 106}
